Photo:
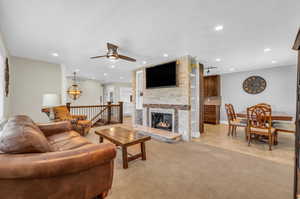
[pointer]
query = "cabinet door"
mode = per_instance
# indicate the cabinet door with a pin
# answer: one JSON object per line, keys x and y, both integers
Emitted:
{"x": 205, "y": 87}
{"x": 212, "y": 86}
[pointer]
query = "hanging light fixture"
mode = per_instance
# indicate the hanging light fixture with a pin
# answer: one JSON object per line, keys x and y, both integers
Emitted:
{"x": 74, "y": 91}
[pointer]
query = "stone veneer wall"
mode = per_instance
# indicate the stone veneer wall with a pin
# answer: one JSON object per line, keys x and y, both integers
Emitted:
{"x": 176, "y": 95}
{"x": 179, "y": 95}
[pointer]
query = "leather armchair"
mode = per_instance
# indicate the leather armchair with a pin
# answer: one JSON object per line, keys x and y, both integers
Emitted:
{"x": 77, "y": 169}
{"x": 79, "y": 122}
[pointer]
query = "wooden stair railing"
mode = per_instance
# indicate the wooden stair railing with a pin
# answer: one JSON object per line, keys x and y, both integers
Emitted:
{"x": 106, "y": 114}
{"x": 99, "y": 116}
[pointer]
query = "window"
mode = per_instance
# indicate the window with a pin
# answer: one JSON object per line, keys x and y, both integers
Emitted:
{"x": 139, "y": 90}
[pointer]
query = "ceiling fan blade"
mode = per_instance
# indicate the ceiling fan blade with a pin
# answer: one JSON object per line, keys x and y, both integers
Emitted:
{"x": 112, "y": 46}
{"x": 98, "y": 56}
{"x": 210, "y": 67}
{"x": 127, "y": 58}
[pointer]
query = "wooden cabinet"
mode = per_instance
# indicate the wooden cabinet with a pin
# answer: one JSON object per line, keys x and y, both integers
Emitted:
{"x": 212, "y": 114}
{"x": 212, "y": 86}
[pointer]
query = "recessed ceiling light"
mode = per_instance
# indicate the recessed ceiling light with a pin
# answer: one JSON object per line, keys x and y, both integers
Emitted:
{"x": 112, "y": 66}
{"x": 144, "y": 62}
{"x": 218, "y": 28}
{"x": 77, "y": 70}
{"x": 121, "y": 77}
{"x": 267, "y": 49}
{"x": 166, "y": 55}
{"x": 218, "y": 60}
{"x": 55, "y": 54}
{"x": 105, "y": 74}
{"x": 232, "y": 69}
{"x": 274, "y": 61}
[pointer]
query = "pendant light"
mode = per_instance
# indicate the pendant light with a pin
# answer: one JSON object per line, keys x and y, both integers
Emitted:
{"x": 74, "y": 91}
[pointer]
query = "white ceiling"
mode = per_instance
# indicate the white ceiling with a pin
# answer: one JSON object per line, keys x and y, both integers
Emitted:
{"x": 146, "y": 29}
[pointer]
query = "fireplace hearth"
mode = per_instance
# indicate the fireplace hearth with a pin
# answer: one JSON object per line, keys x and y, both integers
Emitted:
{"x": 161, "y": 121}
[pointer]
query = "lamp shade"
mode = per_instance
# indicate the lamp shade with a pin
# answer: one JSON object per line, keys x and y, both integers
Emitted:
{"x": 50, "y": 100}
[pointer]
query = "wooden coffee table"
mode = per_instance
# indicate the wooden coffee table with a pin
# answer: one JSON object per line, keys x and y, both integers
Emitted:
{"x": 123, "y": 137}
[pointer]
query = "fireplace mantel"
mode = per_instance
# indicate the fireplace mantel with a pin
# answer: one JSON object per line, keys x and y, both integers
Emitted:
{"x": 168, "y": 106}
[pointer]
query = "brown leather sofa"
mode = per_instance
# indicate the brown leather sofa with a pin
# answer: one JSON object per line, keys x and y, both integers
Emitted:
{"x": 62, "y": 166}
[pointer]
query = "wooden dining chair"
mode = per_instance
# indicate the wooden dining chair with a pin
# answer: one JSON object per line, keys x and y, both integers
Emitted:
{"x": 279, "y": 126}
{"x": 260, "y": 124}
{"x": 265, "y": 104}
{"x": 234, "y": 121}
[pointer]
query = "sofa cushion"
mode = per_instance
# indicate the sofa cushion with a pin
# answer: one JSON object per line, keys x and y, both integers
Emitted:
{"x": 67, "y": 141}
{"x": 62, "y": 136}
{"x": 21, "y": 135}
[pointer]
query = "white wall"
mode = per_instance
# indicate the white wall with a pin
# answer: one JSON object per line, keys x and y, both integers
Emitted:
{"x": 30, "y": 80}
{"x": 280, "y": 91}
{"x": 64, "y": 84}
{"x": 119, "y": 89}
{"x": 91, "y": 92}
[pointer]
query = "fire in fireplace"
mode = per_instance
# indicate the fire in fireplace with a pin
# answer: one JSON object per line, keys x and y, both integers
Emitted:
{"x": 162, "y": 121}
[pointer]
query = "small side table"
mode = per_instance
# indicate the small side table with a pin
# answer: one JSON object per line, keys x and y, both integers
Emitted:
{"x": 124, "y": 138}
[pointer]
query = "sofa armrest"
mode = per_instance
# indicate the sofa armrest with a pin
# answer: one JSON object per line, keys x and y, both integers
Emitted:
{"x": 44, "y": 165}
{"x": 55, "y": 127}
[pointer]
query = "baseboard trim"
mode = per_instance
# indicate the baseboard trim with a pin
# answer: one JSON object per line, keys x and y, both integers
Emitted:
{"x": 224, "y": 122}
{"x": 196, "y": 133}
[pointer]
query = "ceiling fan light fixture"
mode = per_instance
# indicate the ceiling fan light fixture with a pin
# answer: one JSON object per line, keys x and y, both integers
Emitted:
{"x": 112, "y": 57}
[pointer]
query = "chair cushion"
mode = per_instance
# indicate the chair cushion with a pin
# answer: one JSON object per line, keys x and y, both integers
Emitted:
{"x": 263, "y": 130}
{"x": 62, "y": 113}
{"x": 67, "y": 141}
{"x": 21, "y": 135}
{"x": 239, "y": 122}
{"x": 84, "y": 123}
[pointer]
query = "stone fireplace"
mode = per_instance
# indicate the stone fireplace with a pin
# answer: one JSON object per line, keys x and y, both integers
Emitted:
{"x": 172, "y": 109}
{"x": 166, "y": 117}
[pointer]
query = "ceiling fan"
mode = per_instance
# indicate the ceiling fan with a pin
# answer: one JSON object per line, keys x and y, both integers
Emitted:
{"x": 208, "y": 69}
{"x": 113, "y": 54}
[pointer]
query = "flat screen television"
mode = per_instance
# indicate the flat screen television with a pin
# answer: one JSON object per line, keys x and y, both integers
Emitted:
{"x": 163, "y": 75}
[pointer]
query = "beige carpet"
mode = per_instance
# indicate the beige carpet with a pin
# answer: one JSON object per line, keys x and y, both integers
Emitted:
{"x": 198, "y": 171}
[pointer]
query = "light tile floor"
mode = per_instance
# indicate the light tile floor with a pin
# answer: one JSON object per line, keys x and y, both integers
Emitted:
{"x": 216, "y": 135}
